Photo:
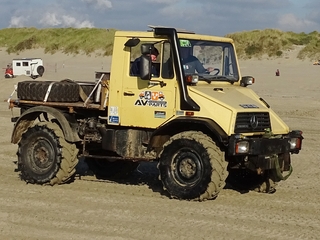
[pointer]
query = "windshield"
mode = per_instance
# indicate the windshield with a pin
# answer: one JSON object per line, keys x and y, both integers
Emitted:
{"x": 212, "y": 61}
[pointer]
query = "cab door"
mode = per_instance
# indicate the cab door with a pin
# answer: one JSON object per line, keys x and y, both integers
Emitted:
{"x": 149, "y": 104}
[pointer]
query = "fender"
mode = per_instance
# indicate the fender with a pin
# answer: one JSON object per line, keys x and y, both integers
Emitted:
{"x": 178, "y": 124}
{"x": 27, "y": 118}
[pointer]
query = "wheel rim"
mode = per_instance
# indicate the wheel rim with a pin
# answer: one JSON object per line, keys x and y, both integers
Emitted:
{"x": 42, "y": 155}
{"x": 187, "y": 168}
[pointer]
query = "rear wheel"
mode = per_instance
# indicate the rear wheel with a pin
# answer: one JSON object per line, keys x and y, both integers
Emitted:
{"x": 44, "y": 157}
{"x": 192, "y": 167}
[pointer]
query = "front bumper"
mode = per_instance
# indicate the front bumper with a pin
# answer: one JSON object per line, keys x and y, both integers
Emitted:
{"x": 267, "y": 152}
{"x": 266, "y": 145}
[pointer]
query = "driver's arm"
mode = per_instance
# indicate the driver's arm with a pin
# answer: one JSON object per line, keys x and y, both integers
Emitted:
{"x": 200, "y": 69}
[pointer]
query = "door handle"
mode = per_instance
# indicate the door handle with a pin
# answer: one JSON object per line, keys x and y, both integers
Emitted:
{"x": 129, "y": 93}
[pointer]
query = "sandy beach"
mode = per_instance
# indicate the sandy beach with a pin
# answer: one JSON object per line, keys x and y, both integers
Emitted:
{"x": 92, "y": 209}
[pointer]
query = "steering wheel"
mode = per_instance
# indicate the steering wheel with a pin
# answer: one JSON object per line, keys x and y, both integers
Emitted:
{"x": 217, "y": 71}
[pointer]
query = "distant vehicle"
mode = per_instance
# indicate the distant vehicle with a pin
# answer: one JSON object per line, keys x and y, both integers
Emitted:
{"x": 32, "y": 67}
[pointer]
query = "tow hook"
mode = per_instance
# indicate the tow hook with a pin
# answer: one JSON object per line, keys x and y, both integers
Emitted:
{"x": 278, "y": 171}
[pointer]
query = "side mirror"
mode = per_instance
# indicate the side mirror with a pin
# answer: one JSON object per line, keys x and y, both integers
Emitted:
{"x": 145, "y": 67}
{"x": 145, "y": 61}
{"x": 146, "y": 48}
{"x": 132, "y": 42}
{"x": 246, "y": 80}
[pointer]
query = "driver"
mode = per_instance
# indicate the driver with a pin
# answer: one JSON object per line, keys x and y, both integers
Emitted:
{"x": 191, "y": 64}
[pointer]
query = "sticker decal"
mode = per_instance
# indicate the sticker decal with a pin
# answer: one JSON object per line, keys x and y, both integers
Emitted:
{"x": 248, "y": 106}
{"x": 114, "y": 119}
{"x": 159, "y": 114}
{"x": 113, "y": 111}
{"x": 151, "y": 99}
{"x": 179, "y": 113}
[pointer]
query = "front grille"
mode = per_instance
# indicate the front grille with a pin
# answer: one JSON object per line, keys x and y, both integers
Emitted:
{"x": 252, "y": 122}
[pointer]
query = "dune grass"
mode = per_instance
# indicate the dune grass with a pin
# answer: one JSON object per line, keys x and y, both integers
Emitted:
{"x": 273, "y": 43}
{"x": 256, "y": 43}
{"x": 67, "y": 40}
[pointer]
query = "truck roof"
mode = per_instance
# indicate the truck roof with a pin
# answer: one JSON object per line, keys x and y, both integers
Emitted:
{"x": 26, "y": 59}
{"x": 182, "y": 33}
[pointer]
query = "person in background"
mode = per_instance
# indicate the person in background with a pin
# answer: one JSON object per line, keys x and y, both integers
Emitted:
{"x": 9, "y": 72}
{"x": 135, "y": 67}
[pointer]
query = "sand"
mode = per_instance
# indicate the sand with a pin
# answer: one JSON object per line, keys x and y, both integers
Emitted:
{"x": 92, "y": 209}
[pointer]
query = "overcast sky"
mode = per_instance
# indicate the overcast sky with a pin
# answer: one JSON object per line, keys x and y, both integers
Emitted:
{"x": 214, "y": 17}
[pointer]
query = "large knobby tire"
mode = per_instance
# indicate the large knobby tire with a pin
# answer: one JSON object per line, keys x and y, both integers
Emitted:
{"x": 44, "y": 157}
{"x": 60, "y": 91}
{"x": 104, "y": 169}
{"x": 192, "y": 167}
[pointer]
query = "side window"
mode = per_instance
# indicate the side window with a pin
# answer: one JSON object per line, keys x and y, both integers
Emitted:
{"x": 135, "y": 55}
{"x": 134, "y": 60}
{"x": 25, "y": 64}
{"x": 167, "y": 65}
{"x": 18, "y": 64}
{"x": 161, "y": 65}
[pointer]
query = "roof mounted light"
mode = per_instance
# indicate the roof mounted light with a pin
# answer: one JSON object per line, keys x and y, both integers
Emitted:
{"x": 192, "y": 79}
{"x": 246, "y": 80}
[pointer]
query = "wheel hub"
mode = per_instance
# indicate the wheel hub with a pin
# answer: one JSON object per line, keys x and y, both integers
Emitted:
{"x": 41, "y": 155}
{"x": 42, "y": 158}
{"x": 187, "y": 168}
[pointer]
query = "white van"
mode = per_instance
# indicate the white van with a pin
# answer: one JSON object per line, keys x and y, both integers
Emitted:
{"x": 32, "y": 67}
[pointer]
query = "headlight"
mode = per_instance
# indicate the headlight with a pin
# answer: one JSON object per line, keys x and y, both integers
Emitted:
{"x": 242, "y": 147}
{"x": 295, "y": 143}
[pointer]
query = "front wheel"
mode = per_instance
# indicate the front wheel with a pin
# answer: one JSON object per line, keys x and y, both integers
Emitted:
{"x": 192, "y": 167}
{"x": 44, "y": 157}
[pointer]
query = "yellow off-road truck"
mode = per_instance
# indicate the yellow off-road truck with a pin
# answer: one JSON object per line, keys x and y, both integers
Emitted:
{"x": 190, "y": 110}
